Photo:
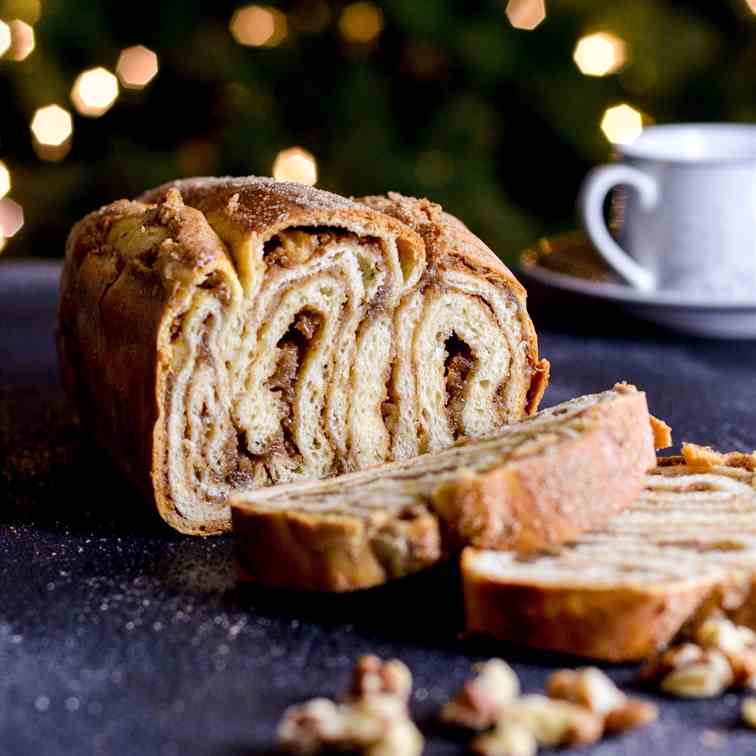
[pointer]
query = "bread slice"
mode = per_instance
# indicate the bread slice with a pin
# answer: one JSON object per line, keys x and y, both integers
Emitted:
{"x": 687, "y": 547}
{"x": 534, "y": 485}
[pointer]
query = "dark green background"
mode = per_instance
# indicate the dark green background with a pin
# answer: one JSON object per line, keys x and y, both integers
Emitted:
{"x": 500, "y": 131}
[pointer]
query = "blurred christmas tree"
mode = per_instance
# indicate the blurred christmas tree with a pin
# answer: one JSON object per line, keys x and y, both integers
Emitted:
{"x": 496, "y": 109}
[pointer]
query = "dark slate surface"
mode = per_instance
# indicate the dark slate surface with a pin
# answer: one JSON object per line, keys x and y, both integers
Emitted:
{"x": 118, "y": 636}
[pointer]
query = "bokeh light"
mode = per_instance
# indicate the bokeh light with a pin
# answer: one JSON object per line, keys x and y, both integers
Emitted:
{"x": 5, "y": 179}
{"x": 622, "y": 124}
{"x": 600, "y": 54}
{"x": 258, "y": 26}
{"x": 526, "y": 14}
{"x": 52, "y": 127}
{"x": 751, "y": 4}
{"x": 5, "y": 38}
{"x": 11, "y": 217}
{"x": 361, "y": 22}
{"x": 23, "y": 41}
{"x": 137, "y": 66}
{"x": 94, "y": 92}
{"x": 296, "y": 164}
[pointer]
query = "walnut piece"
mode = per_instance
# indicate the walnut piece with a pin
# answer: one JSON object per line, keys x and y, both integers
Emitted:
{"x": 633, "y": 713}
{"x": 737, "y": 643}
{"x": 373, "y": 726}
{"x": 708, "y": 677}
{"x": 373, "y": 676}
{"x": 591, "y": 688}
{"x": 748, "y": 712}
{"x": 669, "y": 660}
{"x": 373, "y": 721}
{"x": 506, "y": 739}
{"x": 554, "y": 722}
{"x": 483, "y": 697}
{"x": 723, "y": 655}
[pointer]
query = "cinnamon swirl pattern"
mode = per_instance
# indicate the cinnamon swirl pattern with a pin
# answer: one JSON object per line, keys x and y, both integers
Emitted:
{"x": 218, "y": 335}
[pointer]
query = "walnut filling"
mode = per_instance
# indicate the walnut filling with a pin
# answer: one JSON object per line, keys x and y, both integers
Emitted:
{"x": 292, "y": 349}
{"x": 459, "y": 362}
{"x": 295, "y": 246}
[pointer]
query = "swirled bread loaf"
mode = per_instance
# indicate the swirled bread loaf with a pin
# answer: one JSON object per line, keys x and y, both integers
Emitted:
{"x": 218, "y": 335}
{"x": 687, "y": 547}
{"x": 533, "y": 485}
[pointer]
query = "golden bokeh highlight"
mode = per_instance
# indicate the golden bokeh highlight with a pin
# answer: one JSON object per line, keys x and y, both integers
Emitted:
{"x": 52, "y": 127}
{"x": 258, "y": 26}
{"x": 11, "y": 217}
{"x": 6, "y": 38}
{"x": 361, "y": 22}
{"x": 137, "y": 66}
{"x": 94, "y": 92}
{"x": 622, "y": 124}
{"x": 5, "y": 179}
{"x": 526, "y": 14}
{"x": 296, "y": 164}
{"x": 600, "y": 54}
{"x": 23, "y": 41}
{"x": 2, "y": 243}
{"x": 751, "y": 4}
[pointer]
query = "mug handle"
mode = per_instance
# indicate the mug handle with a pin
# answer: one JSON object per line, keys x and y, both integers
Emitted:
{"x": 596, "y": 186}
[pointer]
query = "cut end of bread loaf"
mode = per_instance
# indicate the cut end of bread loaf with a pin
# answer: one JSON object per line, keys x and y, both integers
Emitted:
{"x": 533, "y": 485}
{"x": 685, "y": 548}
{"x": 223, "y": 334}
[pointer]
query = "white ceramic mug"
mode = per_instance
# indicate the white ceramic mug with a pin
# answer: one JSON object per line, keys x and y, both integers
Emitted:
{"x": 688, "y": 222}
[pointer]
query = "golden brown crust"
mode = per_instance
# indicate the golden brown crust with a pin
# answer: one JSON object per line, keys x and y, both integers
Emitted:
{"x": 332, "y": 552}
{"x": 549, "y": 499}
{"x": 604, "y": 623}
{"x": 626, "y": 617}
{"x": 450, "y": 244}
{"x": 114, "y": 312}
{"x": 662, "y": 433}
{"x": 261, "y": 206}
{"x": 536, "y": 502}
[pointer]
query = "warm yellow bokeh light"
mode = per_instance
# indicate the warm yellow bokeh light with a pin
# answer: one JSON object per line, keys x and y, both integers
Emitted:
{"x": 296, "y": 164}
{"x": 11, "y": 217}
{"x": 258, "y": 26}
{"x": 622, "y": 124}
{"x": 2, "y": 243}
{"x": 751, "y": 4}
{"x": 137, "y": 66}
{"x": 52, "y": 125}
{"x": 361, "y": 22}
{"x": 5, "y": 179}
{"x": 94, "y": 92}
{"x": 23, "y": 40}
{"x": 5, "y": 38}
{"x": 600, "y": 54}
{"x": 526, "y": 14}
